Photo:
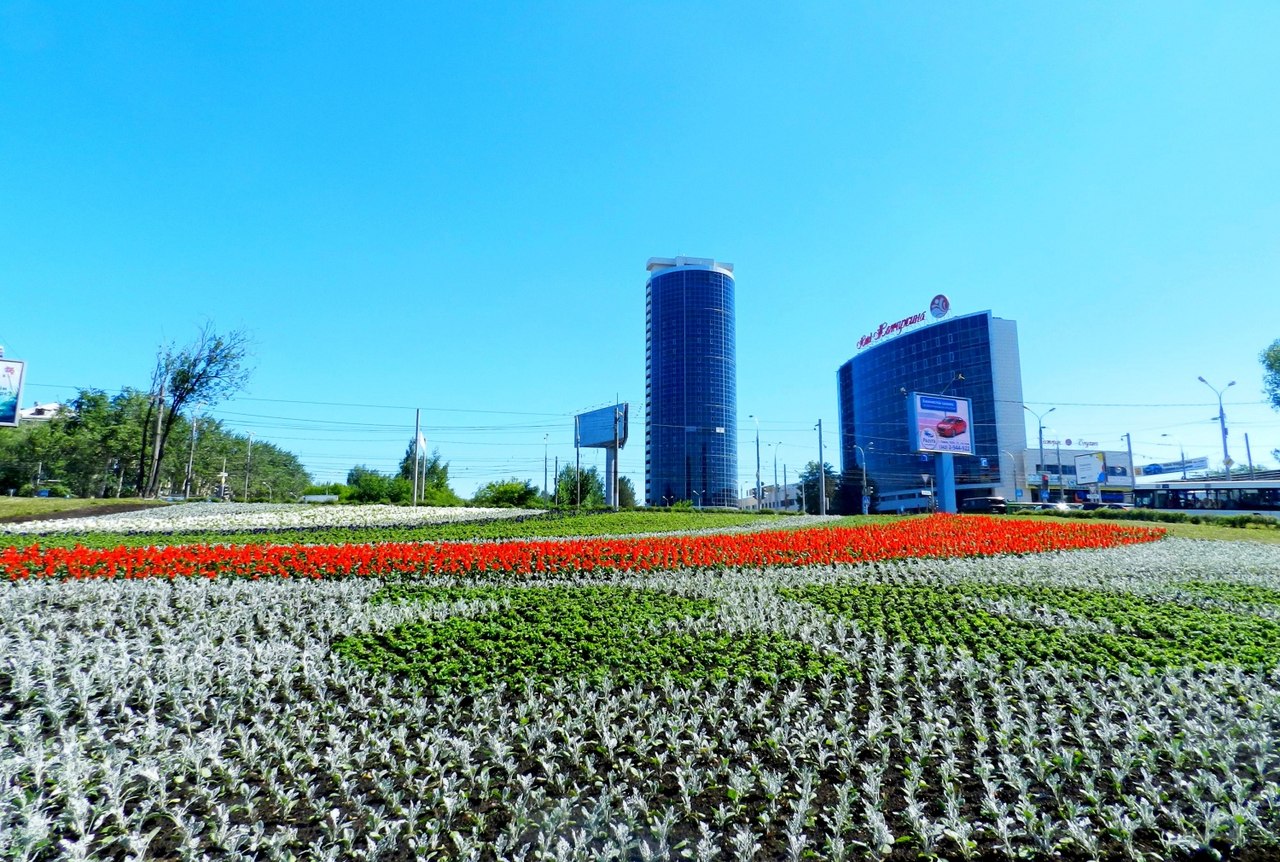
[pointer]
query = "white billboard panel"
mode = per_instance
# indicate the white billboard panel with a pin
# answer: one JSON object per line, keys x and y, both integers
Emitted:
{"x": 603, "y": 428}
{"x": 11, "y": 373}
{"x": 940, "y": 423}
{"x": 1091, "y": 468}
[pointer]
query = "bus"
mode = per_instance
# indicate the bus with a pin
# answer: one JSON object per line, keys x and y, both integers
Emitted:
{"x": 1238, "y": 497}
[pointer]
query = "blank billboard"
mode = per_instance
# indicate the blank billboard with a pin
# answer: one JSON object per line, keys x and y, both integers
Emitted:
{"x": 603, "y": 428}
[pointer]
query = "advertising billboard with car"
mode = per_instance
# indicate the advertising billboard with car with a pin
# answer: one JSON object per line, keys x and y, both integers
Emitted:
{"x": 940, "y": 423}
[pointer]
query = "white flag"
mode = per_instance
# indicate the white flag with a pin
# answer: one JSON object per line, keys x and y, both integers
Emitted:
{"x": 422, "y": 445}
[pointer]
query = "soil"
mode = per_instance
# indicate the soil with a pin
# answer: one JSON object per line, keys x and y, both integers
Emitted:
{"x": 83, "y": 512}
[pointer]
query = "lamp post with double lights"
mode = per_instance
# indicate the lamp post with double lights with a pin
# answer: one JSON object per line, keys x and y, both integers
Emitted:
{"x": 865, "y": 496}
{"x": 1222, "y": 421}
{"x": 1040, "y": 423}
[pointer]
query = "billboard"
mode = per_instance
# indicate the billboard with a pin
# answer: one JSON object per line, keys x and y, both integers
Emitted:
{"x": 1091, "y": 468}
{"x": 1174, "y": 467}
{"x": 940, "y": 423}
{"x": 11, "y": 372}
{"x": 602, "y": 429}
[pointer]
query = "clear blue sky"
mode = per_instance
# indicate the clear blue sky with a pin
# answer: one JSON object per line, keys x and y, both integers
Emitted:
{"x": 449, "y": 206}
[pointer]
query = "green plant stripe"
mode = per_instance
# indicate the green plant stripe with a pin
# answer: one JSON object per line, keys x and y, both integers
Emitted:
{"x": 1244, "y": 594}
{"x": 1147, "y": 631}
{"x": 557, "y": 632}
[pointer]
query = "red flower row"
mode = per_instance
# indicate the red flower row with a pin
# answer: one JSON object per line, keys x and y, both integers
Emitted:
{"x": 936, "y": 536}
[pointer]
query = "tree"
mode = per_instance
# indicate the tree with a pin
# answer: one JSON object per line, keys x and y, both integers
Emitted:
{"x": 435, "y": 478}
{"x": 516, "y": 493}
{"x": 626, "y": 493}
{"x": 810, "y": 485}
{"x": 207, "y": 370}
{"x": 572, "y": 492}
{"x": 1271, "y": 378}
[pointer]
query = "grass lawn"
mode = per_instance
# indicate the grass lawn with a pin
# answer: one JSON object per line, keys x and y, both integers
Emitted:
{"x": 15, "y": 508}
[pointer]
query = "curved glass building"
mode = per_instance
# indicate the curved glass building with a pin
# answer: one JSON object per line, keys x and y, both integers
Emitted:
{"x": 974, "y": 356}
{"x": 691, "y": 402}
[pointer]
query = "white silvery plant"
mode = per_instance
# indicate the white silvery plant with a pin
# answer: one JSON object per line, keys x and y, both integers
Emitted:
{"x": 207, "y": 709}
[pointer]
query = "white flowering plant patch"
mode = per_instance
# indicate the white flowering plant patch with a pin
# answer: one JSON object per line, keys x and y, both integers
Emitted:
{"x": 718, "y": 715}
{"x": 207, "y": 517}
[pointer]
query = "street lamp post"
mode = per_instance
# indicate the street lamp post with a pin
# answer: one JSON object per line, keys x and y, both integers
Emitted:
{"x": 1222, "y": 421}
{"x": 863, "y": 482}
{"x": 698, "y": 497}
{"x": 758, "y": 492}
{"x": 271, "y": 498}
{"x": 1013, "y": 460}
{"x": 1040, "y": 422}
{"x": 1182, "y": 457}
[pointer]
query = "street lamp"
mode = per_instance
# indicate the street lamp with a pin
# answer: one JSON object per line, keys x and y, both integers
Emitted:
{"x": 270, "y": 494}
{"x": 1182, "y": 456}
{"x": 1013, "y": 459}
{"x": 758, "y": 492}
{"x": 863, "y": 482}
{"x": 1222, "y": 420}
{"x": 698, "y": 497}
{"x": 1040, "y": 422}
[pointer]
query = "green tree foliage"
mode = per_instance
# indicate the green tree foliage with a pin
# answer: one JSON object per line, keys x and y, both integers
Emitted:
{"x": 809, "y": 482}
{"x": 626, "y": 493}
{"x": 1271, "y": 372}
{"x": 435, "y": 478}
{"x": 205, "y": 371}
{"x": 513, "y": 493}
{"x": 572, "y": 490}
{"x": 90, "y": 450}
{"x": 365, "y": 485}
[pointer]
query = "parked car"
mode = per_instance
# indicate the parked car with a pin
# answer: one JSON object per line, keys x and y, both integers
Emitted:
{"x": 1093, "y": 504}
{"x": 984, "y": 505}
{"x": 952, "y": 426}
{"x": 1053, "y": 507}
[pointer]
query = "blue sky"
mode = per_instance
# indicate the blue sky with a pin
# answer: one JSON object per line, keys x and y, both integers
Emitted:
{"x": 450, "y": 206}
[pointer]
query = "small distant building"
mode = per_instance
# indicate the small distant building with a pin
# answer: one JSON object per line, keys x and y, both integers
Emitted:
{"x": 43, "y": 412}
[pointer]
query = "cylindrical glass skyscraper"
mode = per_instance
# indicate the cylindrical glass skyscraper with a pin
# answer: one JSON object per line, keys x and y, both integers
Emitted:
{"x": 691, "y": 399}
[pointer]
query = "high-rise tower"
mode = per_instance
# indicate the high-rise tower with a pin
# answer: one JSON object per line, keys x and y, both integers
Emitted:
{"x": 691, "y": 400}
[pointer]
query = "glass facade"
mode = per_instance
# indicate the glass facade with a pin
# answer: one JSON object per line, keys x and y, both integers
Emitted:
{"x": 872, "y": 389}
{"x": 690, "y": 386}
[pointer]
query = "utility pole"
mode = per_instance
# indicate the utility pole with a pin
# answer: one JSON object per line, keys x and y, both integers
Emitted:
{"x": 1040, "y": 422}
{"x": 191, "y": 459}
{"x": 153, "y": 480}
{"x": 248, "y": 463}
{"x": 577, "y": 464}
{"x": 759, "y": 492}
{"x": 1133, "y": 475}
{"x": 545, "y": 487}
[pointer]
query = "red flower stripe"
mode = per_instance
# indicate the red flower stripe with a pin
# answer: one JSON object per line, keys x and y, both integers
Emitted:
{"x": 936, "y": 536}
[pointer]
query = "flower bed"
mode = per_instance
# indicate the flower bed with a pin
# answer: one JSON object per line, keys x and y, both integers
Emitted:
{"x": 194, "y": 517}
{"x": 833, "y": 712}
{"x": 937, "y": 536}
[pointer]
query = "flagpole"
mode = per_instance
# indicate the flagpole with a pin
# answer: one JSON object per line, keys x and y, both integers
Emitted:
{"x": 417, "y": 455}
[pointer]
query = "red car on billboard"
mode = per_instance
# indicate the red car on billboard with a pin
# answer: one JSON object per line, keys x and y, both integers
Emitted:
{"x": 952, "y": 426}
